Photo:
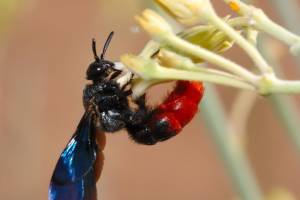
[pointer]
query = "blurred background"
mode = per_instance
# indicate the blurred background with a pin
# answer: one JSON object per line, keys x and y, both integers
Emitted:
{"x": 44, "y": 52}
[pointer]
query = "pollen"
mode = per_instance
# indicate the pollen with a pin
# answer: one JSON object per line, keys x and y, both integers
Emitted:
{"x": 234, "y": 6}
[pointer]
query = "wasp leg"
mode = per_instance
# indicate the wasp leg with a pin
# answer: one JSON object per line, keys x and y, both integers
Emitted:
{"x": 124, "y": 80}
{"x": 124, "y": 86}
{"x": 115, "y": 74}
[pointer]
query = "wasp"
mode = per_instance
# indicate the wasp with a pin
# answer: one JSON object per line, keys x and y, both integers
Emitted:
{"x": 107, "y": 109}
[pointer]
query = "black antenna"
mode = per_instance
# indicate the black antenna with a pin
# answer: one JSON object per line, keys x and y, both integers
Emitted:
{"x": 106, "y": 44}
{"x": 94, "y": 50}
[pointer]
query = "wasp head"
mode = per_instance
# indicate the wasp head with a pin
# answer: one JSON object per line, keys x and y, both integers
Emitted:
{"x": 100, "y": 68}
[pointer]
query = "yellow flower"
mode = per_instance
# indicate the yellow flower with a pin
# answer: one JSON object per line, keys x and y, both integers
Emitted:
{"x": 208, "y": 37}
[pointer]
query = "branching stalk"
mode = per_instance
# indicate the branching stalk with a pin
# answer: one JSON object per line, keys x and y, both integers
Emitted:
{"x": 182, "y": 45}
{"x": 212, "y": 17}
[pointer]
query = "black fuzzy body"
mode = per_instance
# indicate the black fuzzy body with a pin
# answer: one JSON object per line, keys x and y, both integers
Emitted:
{"x": 110, "y": 103}
{"x": 144, "y": 129}
{"x": 112, "y": 113}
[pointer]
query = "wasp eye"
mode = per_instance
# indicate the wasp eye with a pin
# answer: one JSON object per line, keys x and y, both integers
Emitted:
{"x": 94, "y": 71}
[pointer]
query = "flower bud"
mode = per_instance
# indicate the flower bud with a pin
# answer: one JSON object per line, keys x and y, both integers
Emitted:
{"x": 153, "y": 23}
{"x": 187, "y": 12}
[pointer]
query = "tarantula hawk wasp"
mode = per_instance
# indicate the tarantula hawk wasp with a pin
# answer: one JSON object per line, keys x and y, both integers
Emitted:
{"x": 107, "y": 110}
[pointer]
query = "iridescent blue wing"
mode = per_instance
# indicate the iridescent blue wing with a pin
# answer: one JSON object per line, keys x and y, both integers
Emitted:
{"x": 73, "y": 177}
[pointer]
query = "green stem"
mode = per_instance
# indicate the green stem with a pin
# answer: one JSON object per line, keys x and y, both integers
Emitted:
{"x": 260, "y": 62}
{"x": 170, "y": 59}
{"x": 150, "y": 48}
{"x": 277, "y": 31}
{"x": 285, "y": 86}
{"x": 149, "y": 70}
{"x": 229, "y": 149}
{"x": 186, "y": 47}
{"x": 175, "y": 74}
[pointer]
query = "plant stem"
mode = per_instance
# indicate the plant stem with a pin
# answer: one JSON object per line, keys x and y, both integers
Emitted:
{"x": 184, "y": 46}
{"x": 260, "y": 62}
{"x": 229, "y": 149}
{"x": 175, "y": 74}
{"x": 150, "y": 48}
{"x": 235, "y": 160}
{"x": 150, "y": 70}
{"x": 285, "y": 87}
{"x": 265, "y": 24}
{"x": 170, "y": 59}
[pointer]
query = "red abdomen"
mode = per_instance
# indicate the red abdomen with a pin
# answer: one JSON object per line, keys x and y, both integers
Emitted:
{"x": 169, "y": 117}
{"x": 181, "y": 105}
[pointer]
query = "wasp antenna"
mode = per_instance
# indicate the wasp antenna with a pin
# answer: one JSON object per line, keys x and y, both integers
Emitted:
{"x": 106, "y": 44}
{"x": 95, "y": 50}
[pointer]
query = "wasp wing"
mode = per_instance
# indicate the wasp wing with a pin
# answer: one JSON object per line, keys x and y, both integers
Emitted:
{"x": 73, "y": 177}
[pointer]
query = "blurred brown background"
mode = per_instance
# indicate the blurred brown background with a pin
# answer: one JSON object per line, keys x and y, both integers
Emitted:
{"x": 44, "y": 52}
